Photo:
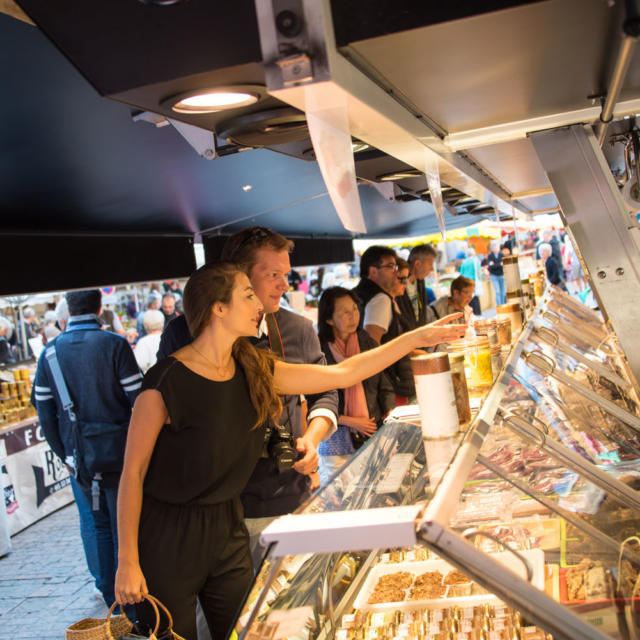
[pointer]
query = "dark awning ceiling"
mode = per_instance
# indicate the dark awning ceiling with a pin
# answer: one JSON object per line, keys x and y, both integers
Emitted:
{"x": 72, "y": 161}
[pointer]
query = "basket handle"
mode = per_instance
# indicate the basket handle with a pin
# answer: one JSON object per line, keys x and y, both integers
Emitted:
{"x": 152, "y": 602}
{"x": 166, "y": 611}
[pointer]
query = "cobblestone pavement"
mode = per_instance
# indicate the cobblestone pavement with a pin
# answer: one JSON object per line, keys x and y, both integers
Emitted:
{"x": 44, "y": 582}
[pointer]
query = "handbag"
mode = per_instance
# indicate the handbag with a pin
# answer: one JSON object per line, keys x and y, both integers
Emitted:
{"x": 96, "y": 628}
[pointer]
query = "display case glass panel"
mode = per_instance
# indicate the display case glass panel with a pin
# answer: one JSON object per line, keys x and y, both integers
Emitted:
{"x": 545, "y": 470}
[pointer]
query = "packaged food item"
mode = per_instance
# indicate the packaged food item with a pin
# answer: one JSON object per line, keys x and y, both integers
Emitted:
{"x": 528, "y": 296}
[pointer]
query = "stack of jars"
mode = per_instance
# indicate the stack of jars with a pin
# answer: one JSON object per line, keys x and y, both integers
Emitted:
{"x": 15, "y": 404}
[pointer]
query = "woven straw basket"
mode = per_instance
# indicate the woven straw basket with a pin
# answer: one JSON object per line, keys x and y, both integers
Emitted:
{"x": 111, "y": 627}
{"x": 96, "y": 628}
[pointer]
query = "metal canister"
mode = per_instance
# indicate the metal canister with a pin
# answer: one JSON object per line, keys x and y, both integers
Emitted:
{"x": 511, "y": 273}
{"x": 436, "y": 397}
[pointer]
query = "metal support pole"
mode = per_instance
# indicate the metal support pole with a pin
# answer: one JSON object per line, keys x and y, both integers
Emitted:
{"x": 595, "y": 214}
{"x": 617, "y": 77}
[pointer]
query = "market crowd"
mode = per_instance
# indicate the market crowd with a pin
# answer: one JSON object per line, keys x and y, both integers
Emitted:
{"x": 227, "y": 416}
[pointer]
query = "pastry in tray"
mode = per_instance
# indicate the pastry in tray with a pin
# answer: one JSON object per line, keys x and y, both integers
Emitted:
{"x": 391, "y": 587}
{"x": 400, "y": 580}
{"x": 386, "y": 594}
{"x": 427, "y": 592}
{"x": 428, "y": 579}
{"x": 456, "y": 577}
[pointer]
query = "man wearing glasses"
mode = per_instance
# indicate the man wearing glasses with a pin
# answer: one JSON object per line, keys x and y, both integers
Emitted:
{"x": 378, "y": 269}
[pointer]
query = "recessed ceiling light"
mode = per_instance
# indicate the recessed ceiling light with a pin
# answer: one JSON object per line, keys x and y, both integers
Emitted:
{"x": 247, "y": 187}
{"x": 213, "y": 99}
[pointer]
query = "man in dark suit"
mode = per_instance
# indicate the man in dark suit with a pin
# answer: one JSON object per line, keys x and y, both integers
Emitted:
{"x": 264, "y": 255}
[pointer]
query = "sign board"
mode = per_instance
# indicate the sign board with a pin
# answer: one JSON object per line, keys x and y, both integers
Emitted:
{"x": 35, "y": 482}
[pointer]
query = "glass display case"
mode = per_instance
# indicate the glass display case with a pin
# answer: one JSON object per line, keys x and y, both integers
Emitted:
{"x": 524, "y": 527}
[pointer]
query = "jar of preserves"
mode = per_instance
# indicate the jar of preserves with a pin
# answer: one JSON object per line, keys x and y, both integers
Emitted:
{"x": 514, "y": 311}
{"x": 503, "y": 328}
{"x": 486, "y": 328}
{"x": 477, "y": 361}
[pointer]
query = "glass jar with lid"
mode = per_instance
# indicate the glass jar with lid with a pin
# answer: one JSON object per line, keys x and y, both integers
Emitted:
{"x": 477, "y": 361}
{"x": 514, "y": 311}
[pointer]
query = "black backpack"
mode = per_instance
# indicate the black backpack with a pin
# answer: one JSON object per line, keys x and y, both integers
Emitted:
{"x": 98, "y": 447}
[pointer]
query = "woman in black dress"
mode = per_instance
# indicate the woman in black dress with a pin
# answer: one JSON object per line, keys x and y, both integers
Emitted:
{"x": 194, "y": 439}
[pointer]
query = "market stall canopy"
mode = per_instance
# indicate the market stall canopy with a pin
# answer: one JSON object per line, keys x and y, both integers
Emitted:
{"x": 461, "y": 83}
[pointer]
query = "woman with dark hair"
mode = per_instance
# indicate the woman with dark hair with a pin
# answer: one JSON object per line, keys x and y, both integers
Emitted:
{"x": 363, "y": 405}
{"x": 195, "y": 436}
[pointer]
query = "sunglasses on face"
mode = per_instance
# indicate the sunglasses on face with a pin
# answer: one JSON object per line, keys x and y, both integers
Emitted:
{"x": 392, "y": 266}
{"x": 403, "y": 279}
{"x": 255, "y": 235}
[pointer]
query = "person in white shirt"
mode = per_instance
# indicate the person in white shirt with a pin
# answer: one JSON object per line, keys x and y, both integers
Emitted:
{"x": 147, "y": 347}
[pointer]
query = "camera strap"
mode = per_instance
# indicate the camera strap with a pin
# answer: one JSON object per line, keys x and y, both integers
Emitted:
{"x": 275, "y": 339}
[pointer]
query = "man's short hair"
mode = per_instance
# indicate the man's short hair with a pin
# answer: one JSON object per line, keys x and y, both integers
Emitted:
{"x": 421, "y": 251}
{"x": 29, "y": 313}
{"x": 62, "y": 311}
{"x": 372, "y": 257}
{"x": 153, "y": 298}
{"x": 83, "y": 302}
{"x": 402, "y": 263}
{"x": 545, "y": 247}
{"x": 153, "y": 320}
{"x": 168, "y": 294}
{"x": 461, "y": 283}
{"x": 241, "y": 247}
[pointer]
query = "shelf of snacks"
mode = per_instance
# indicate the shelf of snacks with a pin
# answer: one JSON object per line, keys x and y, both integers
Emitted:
{"x": 15, "y": 396}
{"x": 529, "y": 533}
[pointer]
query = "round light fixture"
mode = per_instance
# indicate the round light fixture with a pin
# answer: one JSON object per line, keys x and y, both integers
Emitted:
{"x": 212, "y": 100}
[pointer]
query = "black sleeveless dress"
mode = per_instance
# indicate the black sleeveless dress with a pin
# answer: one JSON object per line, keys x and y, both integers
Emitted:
{"x": 192, "y": 538}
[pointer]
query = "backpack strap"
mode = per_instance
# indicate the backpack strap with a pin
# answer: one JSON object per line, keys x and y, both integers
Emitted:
{"x": 67, "y": 405}
{"x": 58, "y": 380}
